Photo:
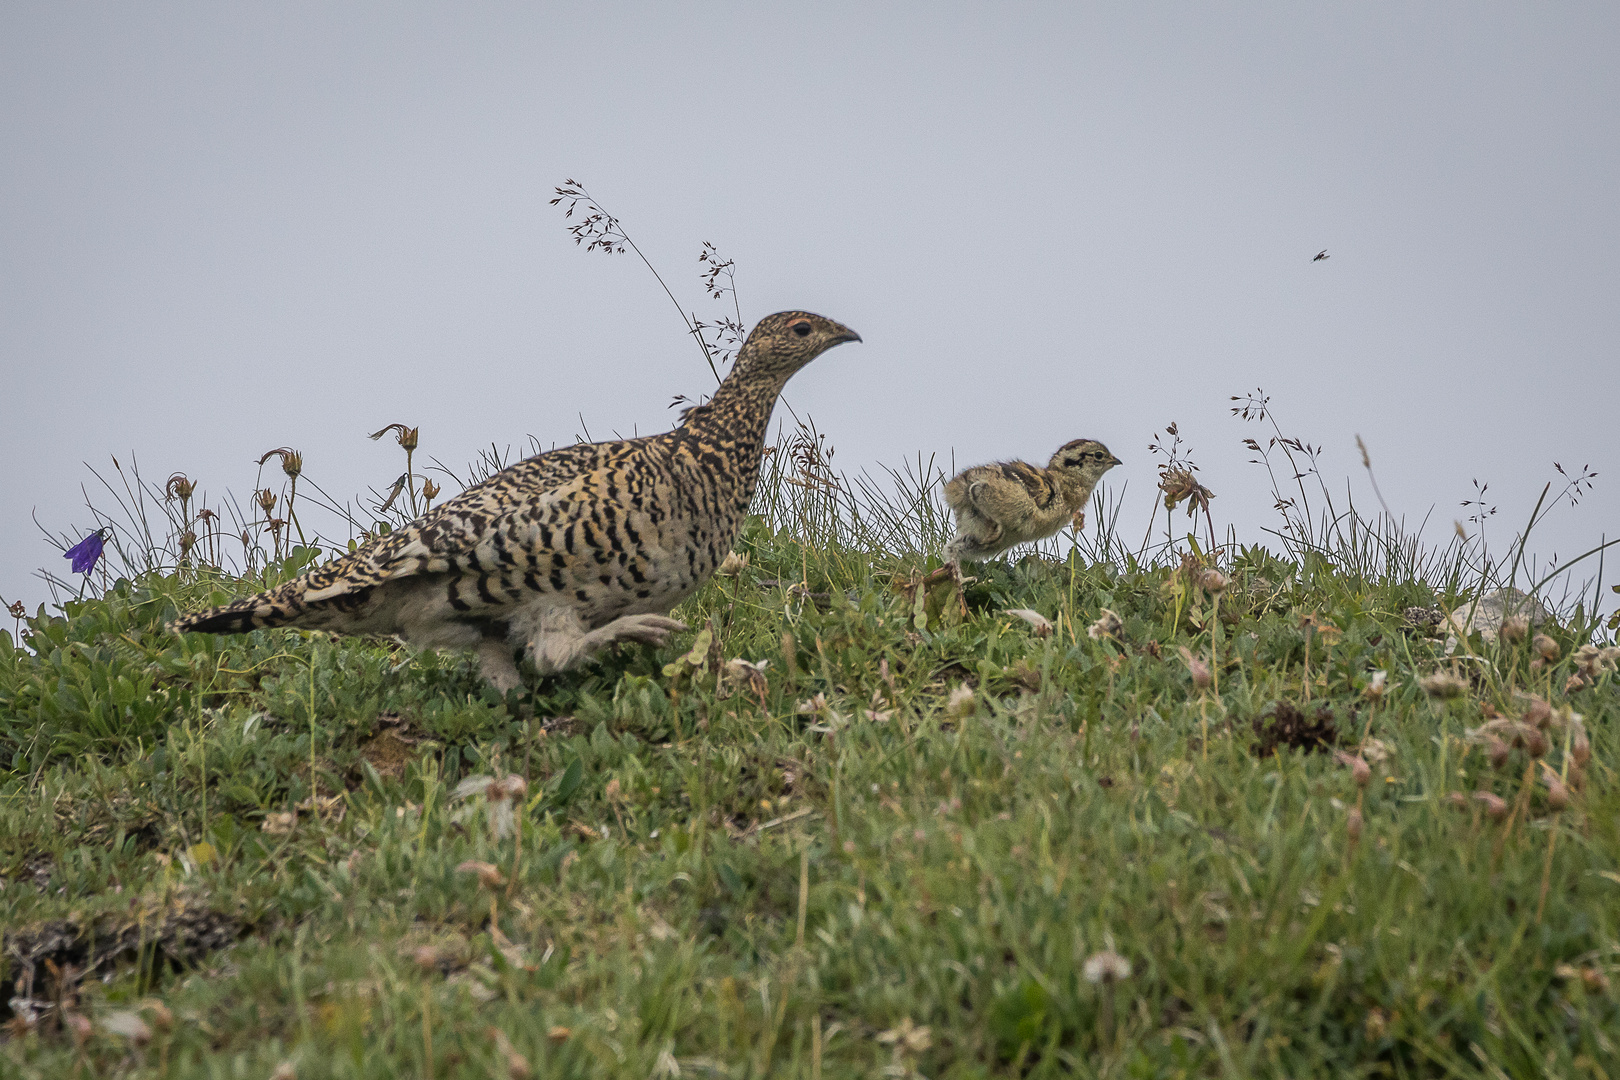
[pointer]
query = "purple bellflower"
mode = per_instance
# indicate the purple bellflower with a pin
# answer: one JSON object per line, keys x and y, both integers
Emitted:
{"x": 87, "y": 552}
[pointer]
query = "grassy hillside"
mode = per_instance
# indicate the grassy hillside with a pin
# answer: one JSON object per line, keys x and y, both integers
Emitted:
{"x": 912, "y": 844}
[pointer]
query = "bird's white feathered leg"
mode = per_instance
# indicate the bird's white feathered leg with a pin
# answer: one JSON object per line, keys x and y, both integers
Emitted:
{"x": 495, "y": 663}
{"x": 560, "y": 641}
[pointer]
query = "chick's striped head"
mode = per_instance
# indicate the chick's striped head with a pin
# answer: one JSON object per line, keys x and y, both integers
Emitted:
{"x": 1083, "y": 459}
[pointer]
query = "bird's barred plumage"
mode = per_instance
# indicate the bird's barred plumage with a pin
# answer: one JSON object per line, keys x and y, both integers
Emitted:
{"x": 567, "y": 551}
{"x": 1007, "y": 503}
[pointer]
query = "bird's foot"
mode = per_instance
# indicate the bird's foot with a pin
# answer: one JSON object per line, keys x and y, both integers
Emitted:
{"x": 648, "y": 629}
{"x": 496, "y": 664}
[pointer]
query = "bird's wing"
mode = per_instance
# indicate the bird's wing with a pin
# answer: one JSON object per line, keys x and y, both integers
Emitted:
{"x": 993, "y": 497}
{"x": 466, "y": 533}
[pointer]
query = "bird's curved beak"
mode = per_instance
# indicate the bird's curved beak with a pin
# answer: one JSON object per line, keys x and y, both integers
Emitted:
{"x": 844, "y": 334}
{"x": 1112, "y": 460}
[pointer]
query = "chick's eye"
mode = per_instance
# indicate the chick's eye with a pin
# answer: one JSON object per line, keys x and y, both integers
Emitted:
{"x": 801, "y": 328}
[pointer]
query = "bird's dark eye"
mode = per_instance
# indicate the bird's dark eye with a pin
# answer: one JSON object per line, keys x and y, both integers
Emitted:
{"x": 801, "y": 328}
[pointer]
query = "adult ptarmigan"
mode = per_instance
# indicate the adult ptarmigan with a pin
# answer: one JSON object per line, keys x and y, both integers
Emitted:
{"x": 568, "y": 551}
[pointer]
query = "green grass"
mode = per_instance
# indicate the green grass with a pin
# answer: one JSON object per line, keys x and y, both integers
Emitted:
{"x": 706, "y": 881}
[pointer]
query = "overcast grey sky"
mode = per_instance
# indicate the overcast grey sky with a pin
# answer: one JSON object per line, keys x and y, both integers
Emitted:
{"x": 227, "y": 228}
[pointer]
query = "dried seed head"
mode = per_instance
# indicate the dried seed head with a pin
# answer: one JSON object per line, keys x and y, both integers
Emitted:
{"x": 559, "y": 1033}
{"x": 188, "y": 540}
{"x": 732, "y": 565}
{"x": 1536, "y": 711}
{"x": 511, "y": 786}
{"x": 1580, "y": 748}
{"x": 1202, "y": 677}
{"x": 1593, "y": 661}
{"x": 1375, "y": 750}
{"x": 1515, "y": 628}
{"x": 1557, "y": 792}
{"x": 1352, "y": 824}
{"x": 1212, "y": 581}
{"x": 1494, "y": 804}
{"x": 266, "y": 499}
{"x": 1535, "y": 743}
{"x": 1497, "y": 751}
{"x": 1106, "y": 966}
{"x": 1457, "y": 799}
{"x": 180, "y": 486}
{"x": 430, "y": 490}
{"x": 427, "y": 957}
{"x": 1575, "y": 682}
{"x": 962, "y": 703}
{"x": 1443, "y": 684}
{"x": 1040, "y": 623}
{"x": 489, "y": 875}
{"x": 1546, "y": 647}
{"x": 1360, "y": 771}
{"x": 1108, "y": 625}
{"x": 1377, "y": 685}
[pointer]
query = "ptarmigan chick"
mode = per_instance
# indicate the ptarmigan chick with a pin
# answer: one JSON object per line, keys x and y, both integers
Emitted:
{"x": 566, "y": 552}
{"x": 1013, "y": 502}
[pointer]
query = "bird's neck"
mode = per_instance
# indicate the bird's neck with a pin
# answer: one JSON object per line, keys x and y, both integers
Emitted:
{"x": 735, "y": 420}
{"x": 1075, "y": 491}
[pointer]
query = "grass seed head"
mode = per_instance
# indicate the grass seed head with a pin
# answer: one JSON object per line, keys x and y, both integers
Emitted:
{"x": 1593, "y": 661}
{"x": 1360, "y": 771}
{"x": 180, "y": 486}
{"x": 1536, "y": 711}
{"x": 1580, "y": 748}
{"x": 489, "y": 875}
{"x": 1443, "y": 684}
{"x": 1493, "y": 803}
{"x": 1106, "y": 966}
{"x": 292, "y": 462}
{"x": 1557, "y": 790}
{"x": 1535, "y": 743}
{"x": 1203, "y": 678}
{"x": 1546, "y": 647}
{"x": 1377, "y": 685}
{"x": 1041, "y": 624}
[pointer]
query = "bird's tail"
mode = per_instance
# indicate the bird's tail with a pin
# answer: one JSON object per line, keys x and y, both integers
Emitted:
{"x": 281, "y": 606}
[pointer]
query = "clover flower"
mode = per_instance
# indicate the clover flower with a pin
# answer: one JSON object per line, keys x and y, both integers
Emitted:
{"x": 87, "y": 552}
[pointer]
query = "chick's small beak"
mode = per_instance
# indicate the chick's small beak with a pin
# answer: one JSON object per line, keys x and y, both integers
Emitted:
{"x": 1112, "y": 460}
{"x": 843, "y": 334}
